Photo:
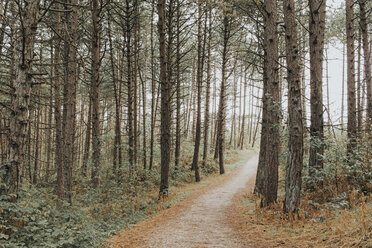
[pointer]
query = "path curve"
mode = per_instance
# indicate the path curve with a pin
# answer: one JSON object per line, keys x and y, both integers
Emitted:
{"x": 204, "y": 223}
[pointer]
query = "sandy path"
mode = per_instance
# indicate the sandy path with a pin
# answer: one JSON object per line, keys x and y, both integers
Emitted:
{"x": 203, "y": 223}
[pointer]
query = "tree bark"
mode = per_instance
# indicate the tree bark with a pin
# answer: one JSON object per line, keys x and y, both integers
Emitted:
{"x": 199, "y": 79}
{"x": 95, "y": 82}
{"x": 351, "y": 100}
{"x": 367, "y": 61}
{"x": 316, "y": 27}
{"x": 69, "y": 92}
{"x": 20, "y": 97}
{"x": 207, "y": 93}
{"x": 267, "y": 171}
{"x": 295, "y": 129}
{"x": 165, "y": 101}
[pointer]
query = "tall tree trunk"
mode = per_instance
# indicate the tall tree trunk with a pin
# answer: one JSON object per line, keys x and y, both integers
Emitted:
{"x": 242, "y": 129}
{"x": 359, "y": 108}
{"x": 69, "y": 92}
{"x": 207, "y": 93}
{"x": 57, "y": 83}
{"x": 117, "y": 151}
{"x": 130, "y": 88}
{"x": 343, "y": 87}
{"x": 199, "y": 79}
{"x": 165, "y": 101}
{"x": 316, "y": 27}
{"x": 37, "y": 143}
{"x": 295, "y": 129}
{"x": 351, "y": 101}
{"x": 143, "y": 86}
{"x": 221, "y": 118}
{"x": 367, "y": 61}
{"x": 135, "y": 81}
{"x": 95, "y": 81}
{"x": 87, "y": 139}
{"x": 20, "y": 97}
{"x": 153, "y": 87}
{"x": 267, "y": 171}
{"x": 48, "y": 133}
{"x": 177, "y": 151}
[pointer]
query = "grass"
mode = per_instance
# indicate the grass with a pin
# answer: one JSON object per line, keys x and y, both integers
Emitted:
{"x": 345, "y": 222}
{"x": 97, "y": 214}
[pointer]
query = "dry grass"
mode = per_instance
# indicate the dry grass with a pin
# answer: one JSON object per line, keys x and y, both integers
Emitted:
{"x": 313, "y": 226}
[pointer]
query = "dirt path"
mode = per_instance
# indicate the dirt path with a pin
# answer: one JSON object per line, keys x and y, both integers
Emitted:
{"x": 202, "y": 222}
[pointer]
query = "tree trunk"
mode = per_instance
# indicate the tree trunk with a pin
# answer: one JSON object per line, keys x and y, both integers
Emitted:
{"x": 207, "y": 93}
{"x": 367, "y": 61}
{"x": 343, "y": 87}
{"x": 69, "y": 92}
{"x": 37, "y": 143}
{"x": 351, "y": 101}
{"x": 267, "y": 171}
{"x": 20, "y": 98}
{"x": 221, "y": 118}
{"x": 117, "y": 151}
{"x": 130, "y": 89}
{"x": 295, "y": 129}
{"x": 165, "y": 101}
{"x": 153, "y": 87}
{"x": 178, "y": 91}
{"x": 199, "y": 79}
{"x": 316, "y": 27}
{"x": 95, "y": 81}
{"x": 242, "y": 129}
{"x": 57, "y": 83}
{"x": 87, "y": 139}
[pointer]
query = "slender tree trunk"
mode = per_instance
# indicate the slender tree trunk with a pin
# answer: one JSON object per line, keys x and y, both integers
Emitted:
{"x": 367, "y": 61}
{"x": 199, "y": 79}
{"x": 135, "y": 82}
{"x": 178, "y": 91}
{"x": 117, "y": 151}
{"x": 316, "y": 27}
{"x": 242, "y": 129}
{"x": 359, "y": 108}
{"x": 87, "y": 139}
{"x": 267, "y": 171}
{"x": 29, "y": 144}
{"x": 95, "y": 81}
{"x": 20, "y": 98}
{"x": 295, "y": 129}
{"x": 221, "y": 118}
{"x": 153, "y": 87}
{"x": 37, "y": 144}
{"x": 69, "y": 92}
{"x": 130, "y": 89}
{"x": 343, "y": 87}
{"x": 48, "y": 133}
{"x": 165, "y": 101}
{"x": 144, "y": 146}
{"x": 351, "y": 101}
{"x": 207, "y": 93}
{"x": 57, "y": 83}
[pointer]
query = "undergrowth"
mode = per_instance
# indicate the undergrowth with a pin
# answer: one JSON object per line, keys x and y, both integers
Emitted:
{"x": 95, "y": 214}
{"x": 336, "y": 204}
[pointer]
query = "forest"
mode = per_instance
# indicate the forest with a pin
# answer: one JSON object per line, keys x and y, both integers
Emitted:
{"x": 185, "y": 123}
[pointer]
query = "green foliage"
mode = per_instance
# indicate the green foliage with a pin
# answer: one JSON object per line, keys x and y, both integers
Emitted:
{"x": 35, "y": 220}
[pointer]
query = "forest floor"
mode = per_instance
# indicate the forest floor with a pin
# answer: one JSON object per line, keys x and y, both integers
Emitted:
{"x": 201, "y": 220}
{"x": 221, "y": 211}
